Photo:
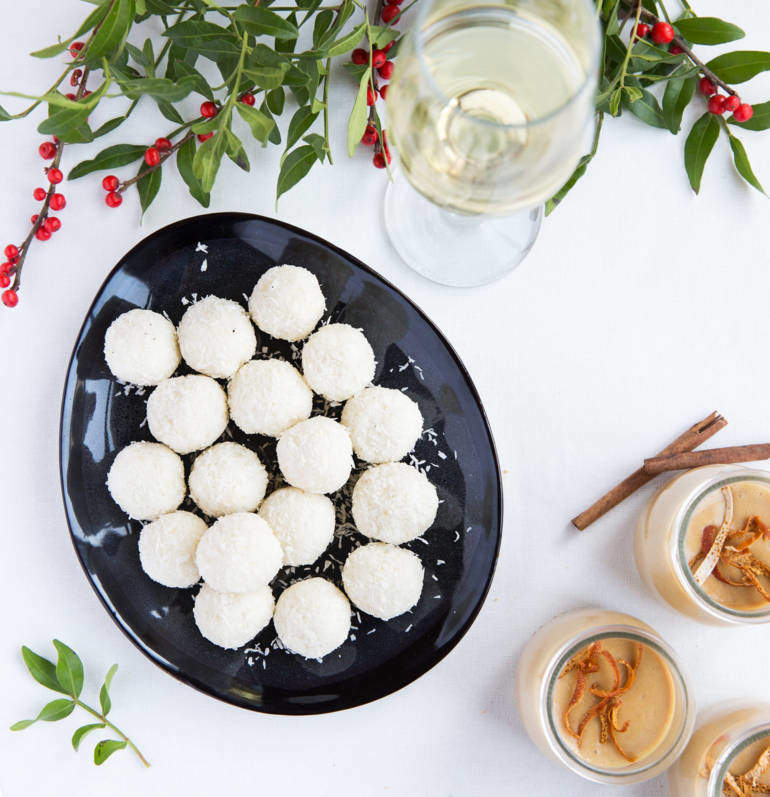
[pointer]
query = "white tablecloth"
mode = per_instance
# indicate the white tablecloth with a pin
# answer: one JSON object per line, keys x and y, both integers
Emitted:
{"x": 641, "y": 309}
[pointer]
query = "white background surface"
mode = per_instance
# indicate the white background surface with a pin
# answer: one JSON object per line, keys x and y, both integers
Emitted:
{"x": 640, "y": 310}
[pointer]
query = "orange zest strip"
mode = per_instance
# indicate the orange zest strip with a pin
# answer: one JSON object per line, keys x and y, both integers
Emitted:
{"x": 759, "y": 768}
{"x": 577, "y": 694}
{"x": 629, "y": 758}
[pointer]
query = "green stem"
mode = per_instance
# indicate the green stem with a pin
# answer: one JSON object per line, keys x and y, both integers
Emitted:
{"x": 113, "y": 727}
{"x": 631, "y": 42}
{"x": 688, "y": 7}
{"x": 326, "y": 111}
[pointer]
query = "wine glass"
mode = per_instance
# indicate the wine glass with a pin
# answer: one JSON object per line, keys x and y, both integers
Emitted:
{"x": 490, "y": 108}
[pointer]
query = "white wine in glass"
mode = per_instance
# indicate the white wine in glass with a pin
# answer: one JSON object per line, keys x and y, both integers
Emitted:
{"x": 490, "y": 109}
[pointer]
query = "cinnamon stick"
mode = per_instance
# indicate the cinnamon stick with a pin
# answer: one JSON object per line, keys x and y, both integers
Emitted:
{"x": 691, "y": 439}
{"x": 712, "y": 456}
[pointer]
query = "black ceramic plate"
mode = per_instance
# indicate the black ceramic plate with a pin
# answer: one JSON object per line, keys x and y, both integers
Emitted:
{"x": 100, "y": 416}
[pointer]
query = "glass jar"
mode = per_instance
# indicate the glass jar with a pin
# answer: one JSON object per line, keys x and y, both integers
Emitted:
{"x": 725, "y": 736}
{"x": 661, "y": 545}
{"x": 542, "y": 662}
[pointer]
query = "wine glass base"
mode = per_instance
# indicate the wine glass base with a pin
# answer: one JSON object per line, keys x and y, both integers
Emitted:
{"x": 452, "y": 248}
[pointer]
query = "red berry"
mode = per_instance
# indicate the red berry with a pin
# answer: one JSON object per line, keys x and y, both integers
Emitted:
{"x": 110, "y": 183}
{"x": 732, "y": 102}
{"x": 151, "y": 156}
{"x": 34, "y": 219}
{"x": 642, "y": 30}
{"x": 75, "y": 77}
{"x": 10, "y": 298}
{"x": 39, "y": 194}
{"x": 662, "y": 33}
{"x": 389, "y": 13}
{"x": 717, "y": 104}
{"x": 360, "y": 56}
{"x": 386, "y": 70}
{"x": 70, "y": 96}
{"x": 162, "y": 144}
{"x": 204, "y": 137}
{"x": 248, "y": 98}
{"x": 378, "y": 58}
{"x": 55, "y": 176}
{"x": 675, "y": 49}
{"x": 6, "y": 268}
{"x": 208, "y": 109}
{"x": 707, "y": 87}
{"x": 58, "y": 202}
{"x": 370, "y": 136}
{"x": 389, "y": 46}
{"x": 393, "y": 2}
{"x": 47, "y": 150}
{"x": 379, "y": 159}
{"x": 371, "y": 96}
{"x": 87, "y": 94}
{"x": 743, "y": 113}
{"x": 5, "y": 280}
{"x": 11, "y": 251}
{"x": 42, "y": 234}
{"x": 114, "y": 199}
{"x": 52, "y": 224}
{"x": 75, "y": 48}
{"x": 384, "y": 92}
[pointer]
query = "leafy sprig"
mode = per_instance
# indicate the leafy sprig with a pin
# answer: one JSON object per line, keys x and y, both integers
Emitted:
{"x": 67, "y": 677}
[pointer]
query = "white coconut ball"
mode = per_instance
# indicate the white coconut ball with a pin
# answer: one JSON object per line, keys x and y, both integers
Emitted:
{"x": 229, "y": 619}
{"x": 216, "y": 337}
{"x": 187, "y": 413}
{"x": 337, "y": 361}
{"x": 238, "y": 553}
{"x": 316, "y": 455}
{"x": 287, "y": 302}
{"x": 141, "y": 347}
{"x": 312, "y": 618}
{"x": 167, "y": 549}
{"x": 383, "y": 580}
{"x": 384, "y": 424}
{"x": 394, "y": 503}
{"x": 268, "y": 396}
{"x": 146, "y": 480}
{"x": 227, "y": 478}
{"x": 303, "y": 523}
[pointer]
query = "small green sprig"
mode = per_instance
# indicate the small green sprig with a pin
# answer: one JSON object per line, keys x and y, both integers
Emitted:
{"x": 67, "y": 678}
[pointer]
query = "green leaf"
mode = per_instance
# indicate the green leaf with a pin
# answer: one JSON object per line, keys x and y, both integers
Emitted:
{"x": 171, "y": 113}
{"x": 275, "y": 133}
{"x": 708, "y": 30}
{"x": 301, "y": 122}
{"x": 109, "y": 126}
{"x": 104, "y": 692}
{"x": 109, "y": 39}
{"x": 159, "y": 88}
{"x": 200, "y": 83}
{"x": 321, "y": 25}
{"x": 84, "y": 730}
{"x": 346, "y": 43}
{"x": 294, "y": 167}
{"x": 260, "y": 124}
{"x": 51, "y": 712}
{"x": 184, "y": 161}
{"x": 204, "y": 38}
{"x": 148, "y": 188}
{"x": 110, "y": 158}
{"x": 759, "y": 121}
{"x": 740, "y": 66}
{"x": 633, "y": 93}
{"x": 358, "y": 116}
{"x": 207, "y": 161}
{"x": 318, "y": 143}
{"x": 263, "y": 22}
{"x": 141, "y": 7}
{"x": 275, "y": 100}
{"x": 698, "y": 147}
{"x": 149, "y": 56}
{"x": 4, "y": 115}
{"x": 742, "y": 163}
{"x": 235, "y": 151}
{"x": 288, "y": 44}
{"x": 105, "y": 749}
{"x": 615, "y": 99}
{"x": 267, "y": 77}
{"x": 679, "y": 92}
{"x": 380, "y": 35}
{"x": 71, "y": 124}
{"x": 42, "y": 670}
{"x": 69, "y": 669}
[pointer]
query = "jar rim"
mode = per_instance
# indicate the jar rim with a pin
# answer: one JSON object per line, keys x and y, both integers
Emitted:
{"x": 731, "y": 751}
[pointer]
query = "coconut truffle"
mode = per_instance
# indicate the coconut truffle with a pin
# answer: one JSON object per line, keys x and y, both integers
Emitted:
{"x": 141, "y": 347}
{"x": 216, "y": 337}
{"x": 268, "y": 396}
{"x": 337, "y": 361}
{"x": 303, "y": 523}
{"x": 384, "y": 424}
{"x": 227, "y": 478}
{"x": 238, "y": 553}
{"x": 146, "y": 480}
{"x": 187, "y": 413}
{"x": 287, "y": 302}
{"x": 383, "y": 580}
{"x": 315, "y": 455}
{"x": 312, "y": 618}
{"x": 394, "y": 503}
{"x": 167, "y": 549}
{"x": 229, "y": 619}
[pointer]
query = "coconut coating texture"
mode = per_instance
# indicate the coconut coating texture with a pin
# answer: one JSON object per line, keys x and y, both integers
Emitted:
{"x": 230, "y": 619}
{"x": 187, "y": 413}
{"x": 227, "y": 478}
{"x": 216, "y": 337}
{"x": 303, "y": 523}
{"x": 316, "y": 455}
{"x": 238, "y": 553}
{"x": 141, "y": 347}
{"x": 167, "y": 549}
{"x": 287, "y": 302}
{"x": 337, "y": 361}
{"x": 384, "y": 424}
{"x": 146, "y": 480}
{"x": 268, "y": 396}
{"x": 394, "y": 503}
{"x": 383, "y": 580}
{"x": 312, "y": 618}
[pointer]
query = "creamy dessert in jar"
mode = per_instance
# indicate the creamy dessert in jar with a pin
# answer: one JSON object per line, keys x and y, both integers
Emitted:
{"x": 728, "y": 755}
{"x": 601, "y": 693}
{"x": 703, "y": 543}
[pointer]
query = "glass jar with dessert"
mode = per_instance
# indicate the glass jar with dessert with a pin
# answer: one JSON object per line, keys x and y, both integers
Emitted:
{"x": 703, "y": 544}
{"x": 601, "y": 693}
